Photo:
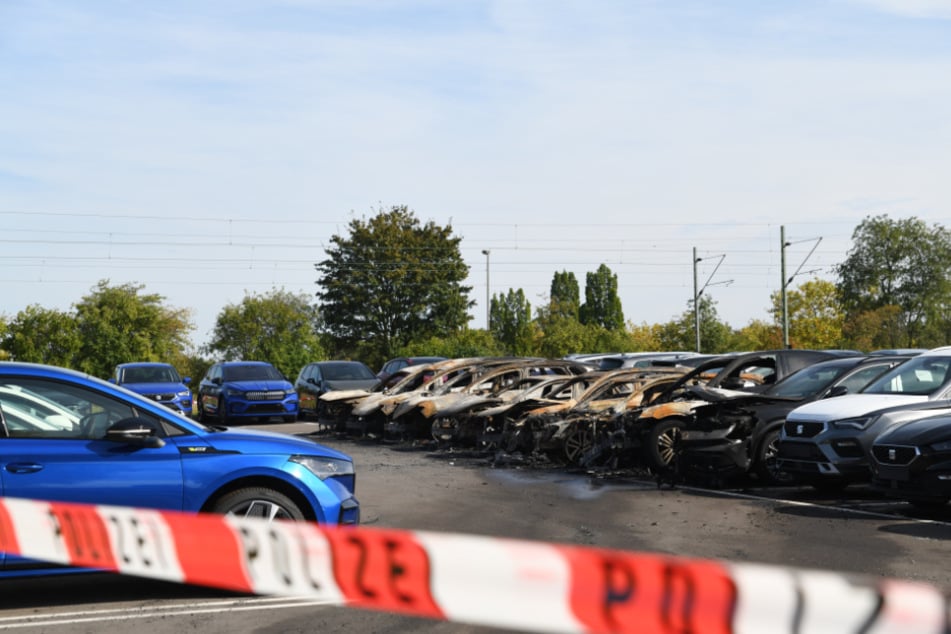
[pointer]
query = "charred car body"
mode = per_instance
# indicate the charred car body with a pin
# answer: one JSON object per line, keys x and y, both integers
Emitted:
{"x": 660, "y": 427}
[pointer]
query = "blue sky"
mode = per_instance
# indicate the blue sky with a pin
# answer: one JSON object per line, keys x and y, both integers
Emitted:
{"x": 210, "y": 149}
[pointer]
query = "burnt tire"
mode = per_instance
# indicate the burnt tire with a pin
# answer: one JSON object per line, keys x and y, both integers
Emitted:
{"x": 663, "y": 444}
{"x": 258, "y": 502}
{"x": 764, "y": 461}
{"x": 577, "y": 443}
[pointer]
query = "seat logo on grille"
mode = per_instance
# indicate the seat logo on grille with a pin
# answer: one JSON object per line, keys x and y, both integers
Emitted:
{"x": 799, "y": 430}
{"x": 892, "y": 455}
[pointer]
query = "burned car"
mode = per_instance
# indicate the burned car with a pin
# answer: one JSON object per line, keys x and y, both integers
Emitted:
{"x": 659, "y": 427}
{"x": 469, "y": 387}
{"x": 571, "y": 430}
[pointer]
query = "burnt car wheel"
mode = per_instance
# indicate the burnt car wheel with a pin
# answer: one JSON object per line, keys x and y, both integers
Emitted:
{"x": 577, "y": 443}
{"x": 663, "y": 443}
{"x": 258, "y": 502}
{"x": 765, "y": 463}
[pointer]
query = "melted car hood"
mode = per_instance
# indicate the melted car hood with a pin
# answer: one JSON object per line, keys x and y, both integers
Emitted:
{"x": 850, "y": 405}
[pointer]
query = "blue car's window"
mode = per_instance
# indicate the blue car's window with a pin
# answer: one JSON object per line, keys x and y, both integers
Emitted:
{"x": 150, "y": 374}
{"x": 250, "y": 373}
{"x": 37, "y": 408}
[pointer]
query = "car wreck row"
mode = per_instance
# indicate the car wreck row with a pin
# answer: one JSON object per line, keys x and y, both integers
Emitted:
{"x": 780, "y": 416}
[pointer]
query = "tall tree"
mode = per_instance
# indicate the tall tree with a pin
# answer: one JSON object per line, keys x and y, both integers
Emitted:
{"x": 42, "y": 335}
{"x": 118, "y": 324}
{"x": 715, "y": 335}
{"x": 510, "y": 321}
{"x": 903, "y": 263}
{"x": 565, "y": 296}
{"x": 815, "y": 315}
{"x": 391, "y": 281}
{"x": 278, "y": 327}
{"x": 602, "y": 305}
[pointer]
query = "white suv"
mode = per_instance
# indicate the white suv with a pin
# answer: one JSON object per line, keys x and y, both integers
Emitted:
{"x": 827, "y": 443}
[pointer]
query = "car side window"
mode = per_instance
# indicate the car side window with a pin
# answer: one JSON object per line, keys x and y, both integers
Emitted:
{"x": 39, "y": 408}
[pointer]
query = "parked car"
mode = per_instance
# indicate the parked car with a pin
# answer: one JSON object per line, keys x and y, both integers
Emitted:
{"x": 913, "y": 462}
{"x": 246, "y": 390}
{"x": 736, "y": 433}
{"x": 318, "y": 378}
{"x": 640, "y": 359}
{"x": 108, "y": 445}
{"x": 660, "y": 426}
{"x": 827, "y": 443}
{"x": 391, "y": 367}
{"x": 158, "y": 381}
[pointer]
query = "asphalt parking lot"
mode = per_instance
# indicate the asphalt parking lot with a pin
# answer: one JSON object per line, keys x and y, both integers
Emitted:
{"x": 402, "y": 486}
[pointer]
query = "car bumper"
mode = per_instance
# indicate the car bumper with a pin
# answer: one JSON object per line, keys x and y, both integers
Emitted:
{"x": 810, "y": 460}
{"x": 922, "y": 479}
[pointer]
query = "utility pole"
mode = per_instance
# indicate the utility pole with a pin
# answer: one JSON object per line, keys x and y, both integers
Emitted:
{"x": 696, "y": 301}
{"x": 788, "y": 280}
{"x": 486, "y": 253}
{"x": 782, "y": 271}
{"x": 698, "y": 293}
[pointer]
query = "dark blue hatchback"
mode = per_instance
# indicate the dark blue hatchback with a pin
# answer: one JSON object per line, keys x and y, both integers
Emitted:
{"x": 70, "y": 437}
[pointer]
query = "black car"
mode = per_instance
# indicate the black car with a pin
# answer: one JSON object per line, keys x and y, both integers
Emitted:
{"x": 660, "y": 425}
{"x": 912, "y": 462}
{"x": 737, "y": 433}
{"x": 320, "y": 377}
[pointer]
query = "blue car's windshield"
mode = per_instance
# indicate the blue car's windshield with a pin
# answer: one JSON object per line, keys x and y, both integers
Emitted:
{"x": 251, "y": 373}
{"x": 150, "y": 374}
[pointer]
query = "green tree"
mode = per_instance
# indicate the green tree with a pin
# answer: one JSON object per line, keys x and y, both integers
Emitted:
{"x": 278, "y": 327}
{"x": 118, "y": 324}
{"x": 390, "y": 282}
{"x": 815, "y": 315}
{"x": 903, "y": 263}
{"x": 602, "y": 305}
{"x": 42, "y": 335}
{"x": 463, "y": 343}
{"x": 510, "y": 321}
{"x": 759, "y": 335}
{"x": 715, "y": 335}
{"x": 565, "y": 298}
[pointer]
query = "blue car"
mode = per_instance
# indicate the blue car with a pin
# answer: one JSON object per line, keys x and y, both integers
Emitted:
{"x": 245, "y": 390}
{"x": 158, "y": 381}
{"x": 70, "y": 437}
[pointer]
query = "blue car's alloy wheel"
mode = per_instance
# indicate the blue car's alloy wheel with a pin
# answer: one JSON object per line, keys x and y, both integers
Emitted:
{"x": 258, "y": 502}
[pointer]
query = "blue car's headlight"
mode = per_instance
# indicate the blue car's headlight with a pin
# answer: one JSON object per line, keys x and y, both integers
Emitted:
{"x": 324, "y": 468}
{"x": 185, "y": 394}
{"x": 859, "y": 422}
{"x": 233, "y": 392}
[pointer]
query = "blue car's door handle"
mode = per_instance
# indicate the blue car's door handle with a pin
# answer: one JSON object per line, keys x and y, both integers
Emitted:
{"x": 24, "y": 467}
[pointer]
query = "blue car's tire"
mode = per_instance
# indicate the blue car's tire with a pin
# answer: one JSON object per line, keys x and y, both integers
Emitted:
{"x": 258, "y": 502}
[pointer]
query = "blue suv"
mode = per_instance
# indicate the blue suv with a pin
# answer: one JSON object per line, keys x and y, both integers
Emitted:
{"x": 246, "y": 390}
{"x": 70, "y": 437}
{"x": 158, "y": 381}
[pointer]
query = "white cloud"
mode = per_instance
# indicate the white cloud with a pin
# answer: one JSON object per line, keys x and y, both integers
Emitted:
{"x": 912, "y": 8}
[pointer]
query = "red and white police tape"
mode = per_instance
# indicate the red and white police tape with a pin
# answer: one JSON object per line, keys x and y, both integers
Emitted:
{"x": 494, "y": 582}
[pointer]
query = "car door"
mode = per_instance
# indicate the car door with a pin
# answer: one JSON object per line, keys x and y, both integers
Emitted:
{"x": 66, "y": 457}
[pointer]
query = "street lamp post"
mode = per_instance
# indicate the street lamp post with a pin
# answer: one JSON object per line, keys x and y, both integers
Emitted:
{"x": 486, "y": 253}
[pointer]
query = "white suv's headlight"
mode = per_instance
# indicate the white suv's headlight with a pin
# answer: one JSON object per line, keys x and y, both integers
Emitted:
{"x": 324, "y": 468}
{"x": 859, "y": 422}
